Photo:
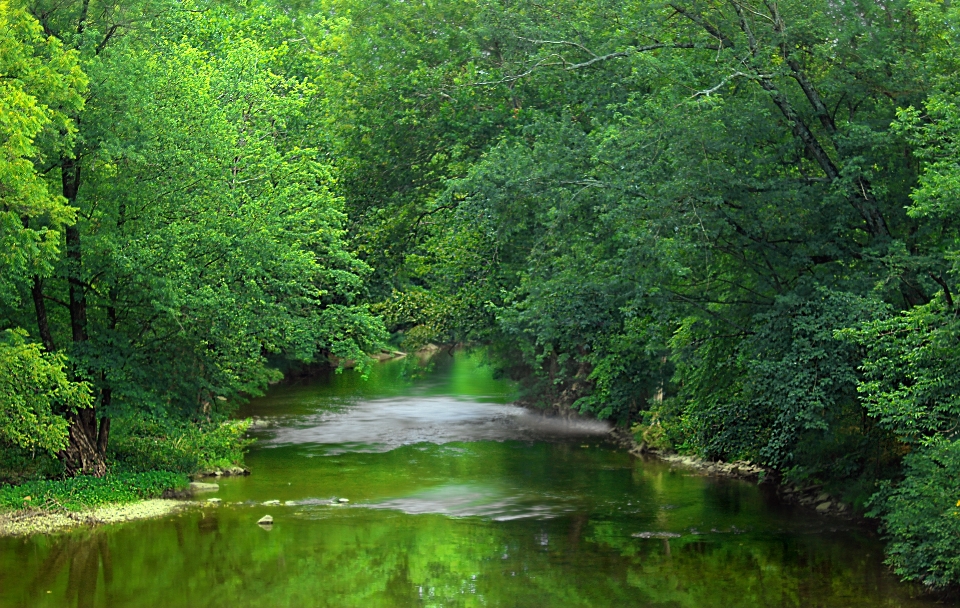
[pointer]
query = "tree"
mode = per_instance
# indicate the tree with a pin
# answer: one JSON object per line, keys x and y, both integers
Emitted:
{"x": 40, "y": 86}
{"x": 913, "y": 359}
{"x": 207, "y": 241}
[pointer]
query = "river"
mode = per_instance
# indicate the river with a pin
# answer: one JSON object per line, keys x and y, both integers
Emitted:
{"x": 454, "y": 498}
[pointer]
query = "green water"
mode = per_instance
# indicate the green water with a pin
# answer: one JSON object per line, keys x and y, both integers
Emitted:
{"x": 455, "y": 499}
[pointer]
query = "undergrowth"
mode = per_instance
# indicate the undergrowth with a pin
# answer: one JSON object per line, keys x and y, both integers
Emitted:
{"x": 152, "y": 444}
{"x": 81, "y": 492}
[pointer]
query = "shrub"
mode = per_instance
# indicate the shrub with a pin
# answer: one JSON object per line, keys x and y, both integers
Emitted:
{"x": 84, "y": 491}
{"x": 921, "y": 516}
{"x": 19, "y": 465}
{"x": 149, "y": 444}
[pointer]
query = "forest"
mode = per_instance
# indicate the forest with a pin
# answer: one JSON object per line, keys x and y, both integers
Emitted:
{"x": 731, "y": 226}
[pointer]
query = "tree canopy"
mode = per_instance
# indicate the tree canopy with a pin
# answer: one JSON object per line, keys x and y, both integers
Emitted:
{"x": 731, "y": 223}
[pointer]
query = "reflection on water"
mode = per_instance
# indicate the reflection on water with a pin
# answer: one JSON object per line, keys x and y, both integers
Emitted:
{"x": 473, "y": 500}
{"x": 458, "y": 520}
{"x": 381, "y": 425}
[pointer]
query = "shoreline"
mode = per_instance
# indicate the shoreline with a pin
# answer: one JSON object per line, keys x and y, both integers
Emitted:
{"x": 40, "y": 521}
{"x": 812, "y": 497}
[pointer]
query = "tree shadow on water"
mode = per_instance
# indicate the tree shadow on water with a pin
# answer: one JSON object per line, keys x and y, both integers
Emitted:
{"x": 83, "y": 555}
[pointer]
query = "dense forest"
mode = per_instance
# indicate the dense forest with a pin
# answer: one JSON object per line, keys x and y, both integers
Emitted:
{"x": 732, "y": 226}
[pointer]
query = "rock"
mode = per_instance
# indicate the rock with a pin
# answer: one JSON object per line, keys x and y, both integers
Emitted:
{"x": 270, "y": 503}
{"x": 841, "y": 507}
{"x": 428, "y": 349}
{"x": 822, "y": 497}
{"x": 343, "y": 363}
{"x": 236, "y": 471}
{"x": 197, "y": 486}
{"x": 214, "y": 501}
{"x": 426, "y": 352}
{"x": 343, "y": 500}
{"x": 824, "y": 507}
{"x": 266, "y": 520}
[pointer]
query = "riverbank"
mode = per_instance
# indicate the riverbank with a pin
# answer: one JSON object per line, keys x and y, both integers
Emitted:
{"x": 43, "y": 521}
{"x": 807, "y": 496}
{"x": 50, "y": 505}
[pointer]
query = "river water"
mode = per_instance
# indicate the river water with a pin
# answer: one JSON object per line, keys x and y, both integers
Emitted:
{"x": 455, "y": 498}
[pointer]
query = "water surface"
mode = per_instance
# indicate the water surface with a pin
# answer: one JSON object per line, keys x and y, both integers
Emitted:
{"x": 456, "y": 498}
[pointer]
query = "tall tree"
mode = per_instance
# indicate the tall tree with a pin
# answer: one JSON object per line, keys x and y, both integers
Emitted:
{"x": 41, "y": 86}
{"x": 207, "y": 240}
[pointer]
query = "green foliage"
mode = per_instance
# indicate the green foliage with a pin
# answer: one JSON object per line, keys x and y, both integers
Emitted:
{"x": 912, "y": 371}
{"x": 146, "y": 444}
{"x": 18, "y": 465}
{"x": 727, "y": 224}
{"x": 195, "y": 286}
{"x": 652, "y": 436}
{"x": 921, "y": 515}
{"x": 735, "y": 226}
{"x": 34, "y": 390}
{"x": 82, "y": 492}
{"x": 168, "y": 237}
{"x": 41, "y": 85}
{"x": 793, "y": 404}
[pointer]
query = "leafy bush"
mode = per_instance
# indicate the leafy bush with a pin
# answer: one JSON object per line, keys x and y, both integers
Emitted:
{"x": 150, "y": 444}
{"x": 84, "y": 491}
{"x": 34, "y": 386}
{"x": 921, "y": 516}
{"x": 652, "y": 432}
{"x": 19, "y": 465}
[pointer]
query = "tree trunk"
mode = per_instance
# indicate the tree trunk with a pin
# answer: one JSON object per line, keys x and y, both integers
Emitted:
{"x": 82, "y": 455}
{"x": 78, "y": 299}
{"x": 40, "y": 307}
{"x": 86, "y": 447}
{"x": 70, "y": 176}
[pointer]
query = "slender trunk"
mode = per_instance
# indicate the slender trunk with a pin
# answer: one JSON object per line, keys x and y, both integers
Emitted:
{"x": 103, "y": 434}
{"x": 40, "y": 306}
{"x": 43, "y": 325}
{"x": 78, "y": 299}
{"x": 86, "y": 444}
{"x": 78, "y": 303}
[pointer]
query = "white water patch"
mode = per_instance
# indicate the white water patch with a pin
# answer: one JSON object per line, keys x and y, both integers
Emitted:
{"x": 383, "y": 424}
{"x": 475, "y": 500}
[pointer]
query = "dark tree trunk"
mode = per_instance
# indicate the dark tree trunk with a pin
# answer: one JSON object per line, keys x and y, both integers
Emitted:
{"x": 43, "y": 325}
{"x": 40, "y": 306}
{"x": 81, "y": 455}
{"x": 78, "y": 299}
{"x": 103, "y": 435}
{"x": 87, "y": 444}
{"x": 70, "y": 176}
